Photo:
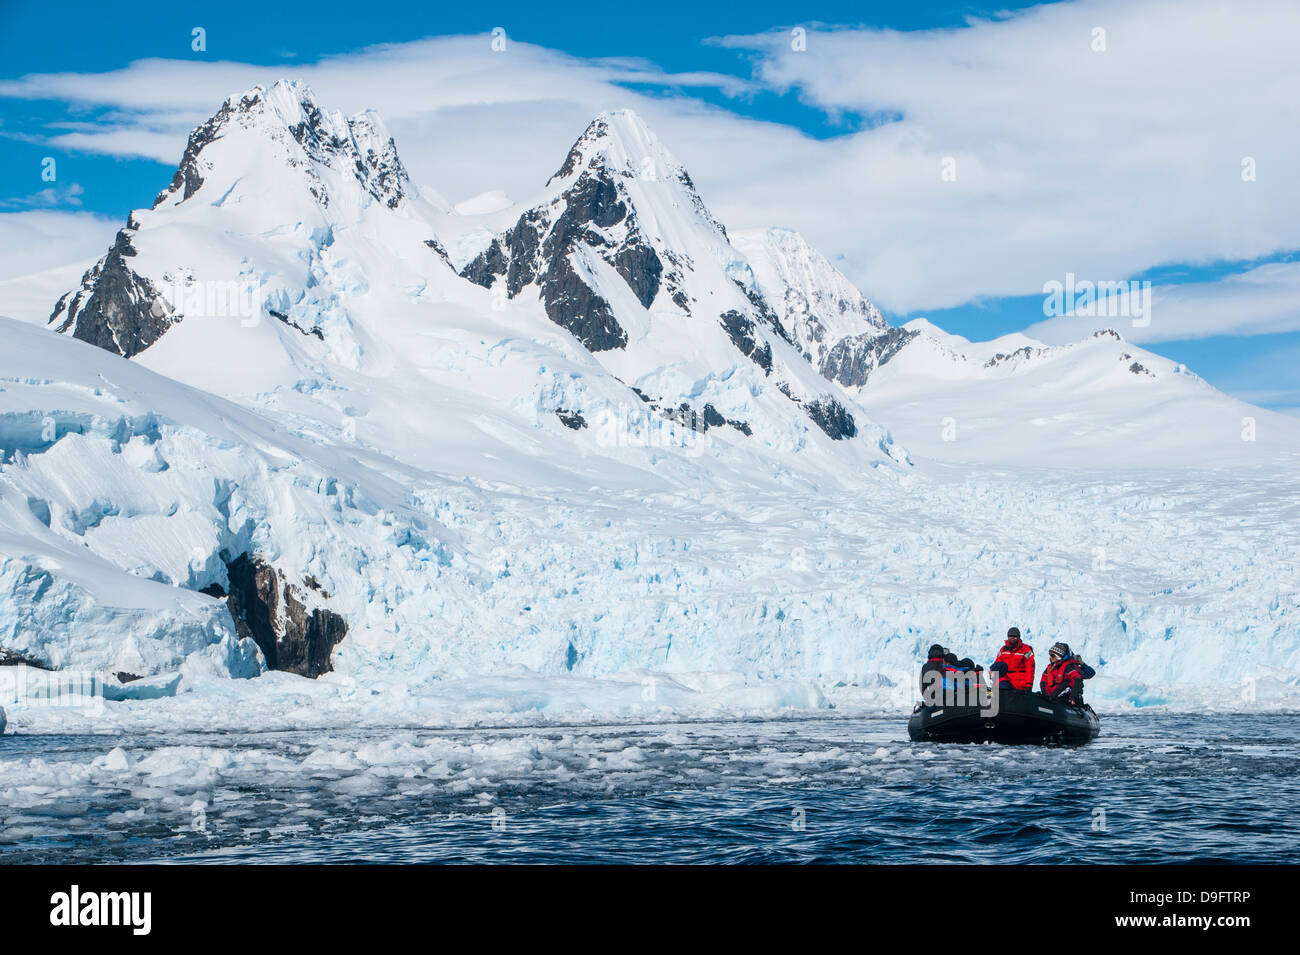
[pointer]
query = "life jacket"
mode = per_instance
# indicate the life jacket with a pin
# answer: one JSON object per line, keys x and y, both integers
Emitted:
{"x": 1020, "y": 664}
{"x": 1058, "y": 674}
{"x": 950, "y": 674}
{"x": 961, "y": 681}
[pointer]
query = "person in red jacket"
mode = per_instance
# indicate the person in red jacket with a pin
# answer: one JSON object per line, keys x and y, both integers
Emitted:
{"x": 1019, "y": 659}
{"x": 1063, "y": 679}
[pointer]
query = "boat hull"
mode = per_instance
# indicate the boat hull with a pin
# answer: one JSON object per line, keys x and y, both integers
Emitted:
{"x": 1026, "y": 718}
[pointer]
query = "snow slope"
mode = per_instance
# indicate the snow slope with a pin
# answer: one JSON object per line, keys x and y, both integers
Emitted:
{"x": 833, "y": 324}
{"x": 1094, "y": 405}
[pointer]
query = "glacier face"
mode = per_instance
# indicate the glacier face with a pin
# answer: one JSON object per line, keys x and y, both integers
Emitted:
{"x": 609, "y": 438}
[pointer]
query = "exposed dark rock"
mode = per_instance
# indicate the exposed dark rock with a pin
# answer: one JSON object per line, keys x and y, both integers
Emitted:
{"x": 124, "y": 677}
{"x": 571, "y": 419}
{"x": 999, "y": 358}
{"x": 832, "y": 417}
{"x": 686, "y": 416}
{"x": 537, "y": 251}
{"x": 380, "y": 172}
{"x": 766, "y": 314}
{"x": 189, "y": 174}
{"x": 1140, "y": 369}
{"x": 641, "y": 269}
{"x": 268, "y": 609}
{"x": 595, "y": 129}
{"x": 294, "y": 325}
{"x": 114, "y": 308}
{"x": 592, "y": 217}
{"x": 850, "y": 361}
{"x": 13, "y": 658}
{"x": 571, "y": 303}
{"x": 313, "y": 584}
{"x": 438, "y": 249}
{"x": 740, "y": 328}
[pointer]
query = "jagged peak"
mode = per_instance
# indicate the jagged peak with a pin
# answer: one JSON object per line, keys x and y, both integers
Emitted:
{"x": 288, "y": 100}
{"x": 620, "y": 141}
{"x": 359, "y": 145}
{"x": 816, "y": 303}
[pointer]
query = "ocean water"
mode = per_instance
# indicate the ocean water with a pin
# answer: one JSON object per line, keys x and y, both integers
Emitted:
{"x": 1152, "y": 788}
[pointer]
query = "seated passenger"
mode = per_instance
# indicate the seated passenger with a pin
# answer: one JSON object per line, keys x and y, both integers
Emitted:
{"x": 1063, "y": 679}
{"x": 934, "y": 664}
{"x": 999, "y": 676}
{"x": 974, "y": 675}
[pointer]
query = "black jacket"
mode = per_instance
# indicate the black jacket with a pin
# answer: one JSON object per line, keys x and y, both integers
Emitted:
{"x": 932, "y": 665}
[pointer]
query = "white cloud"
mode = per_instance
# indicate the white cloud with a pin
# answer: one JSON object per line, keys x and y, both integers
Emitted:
{"x": 69, "y": 195}
{"x": 43, "y": 253}
{"x": 1262, "y": 301}
{"x": 1068, "y": 160}
{"x": 467, "y": 119}
{"x": 40, "y": 239}
{"x": 1101, "y": 164}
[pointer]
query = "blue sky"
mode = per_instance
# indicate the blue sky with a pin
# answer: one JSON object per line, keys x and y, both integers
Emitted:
{"x": 673, "y": 34}
{"x": 884, "y": 89}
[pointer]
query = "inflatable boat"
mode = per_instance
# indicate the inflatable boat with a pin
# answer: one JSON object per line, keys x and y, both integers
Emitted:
{"x": 1018, "y": 718}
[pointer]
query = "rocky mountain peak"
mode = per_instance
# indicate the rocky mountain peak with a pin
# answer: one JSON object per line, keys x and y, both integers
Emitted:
{"x": 307, "y": 136}
{"x": 620, "y": 197}
{"x": 832, "y": 323}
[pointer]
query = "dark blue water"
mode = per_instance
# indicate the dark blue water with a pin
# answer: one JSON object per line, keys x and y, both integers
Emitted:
{"x": 1152, "y": 788}
{"x": 1145, "y": 823}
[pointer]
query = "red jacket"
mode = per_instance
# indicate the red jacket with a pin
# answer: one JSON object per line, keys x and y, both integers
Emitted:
{"x": 1020, "y": 664}
{"x": 1061, "y": 680}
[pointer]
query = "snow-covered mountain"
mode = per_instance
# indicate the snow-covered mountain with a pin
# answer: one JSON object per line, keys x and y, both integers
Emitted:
{"x": 1099, "y": 403}
{"x": 833, "y": 324}
{"x": 309, "y": 218}
{"x": 271, "y": 201}
{"x": 333, "y": 424}
{"x": 621, "y": 251}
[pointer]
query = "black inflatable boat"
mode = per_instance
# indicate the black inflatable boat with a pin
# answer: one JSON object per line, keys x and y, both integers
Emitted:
{"x": 1017, "y": 718}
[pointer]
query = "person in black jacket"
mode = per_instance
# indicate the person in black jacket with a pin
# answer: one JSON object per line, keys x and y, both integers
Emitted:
{"x": 934, "y": 664}
{"x": 998, "y": 674}
{"x": 1085, "y": 673}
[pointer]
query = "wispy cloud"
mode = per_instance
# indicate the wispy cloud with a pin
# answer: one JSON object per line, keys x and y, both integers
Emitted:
{"x": 1262, "y": 301}
{"x": 47, "y": 198}
{"x": 40, "y": 239}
